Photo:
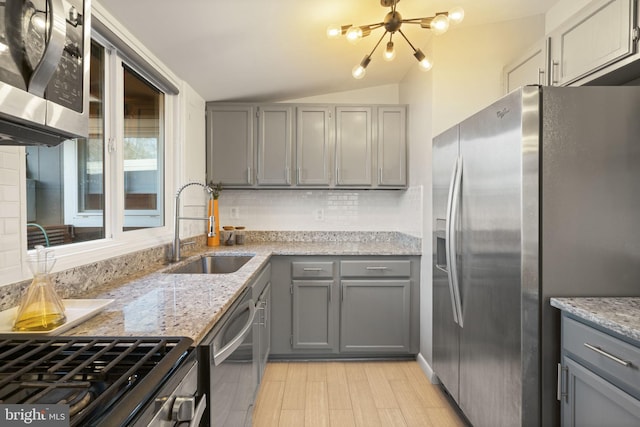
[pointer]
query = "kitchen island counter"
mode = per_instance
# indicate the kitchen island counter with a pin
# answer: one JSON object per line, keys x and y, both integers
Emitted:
{"x": 620, "y": 315}
{"x": 165, "y": 304}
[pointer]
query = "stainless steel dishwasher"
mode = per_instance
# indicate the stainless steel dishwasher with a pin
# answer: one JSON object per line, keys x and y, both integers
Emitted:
{"x": 228, "y": 374}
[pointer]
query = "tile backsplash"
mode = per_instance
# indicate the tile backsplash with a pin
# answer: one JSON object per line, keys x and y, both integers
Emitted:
{"x": 324, "y": 210}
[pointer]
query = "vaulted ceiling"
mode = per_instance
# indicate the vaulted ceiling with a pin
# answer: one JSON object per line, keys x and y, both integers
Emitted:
{"x": 278, "y": 49}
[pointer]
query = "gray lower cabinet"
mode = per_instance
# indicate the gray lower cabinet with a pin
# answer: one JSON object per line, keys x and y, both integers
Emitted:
{"x": 313, "y": 315}
{"x": 327, "y": 306}
{"x": 375, "y": 316}
{"x": 598, "y": 381}
{"x": 261, "y": 293}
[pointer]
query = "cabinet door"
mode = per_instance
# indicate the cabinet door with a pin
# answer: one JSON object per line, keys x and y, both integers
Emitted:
{"x": 598, "y": 35}
{"x": 275, "y": 135}
{"x": 528, "y": 69}
{"x": 230, "y": 136}
{"x": 392, "y": 147}
{"x": 375, "y": 316}
{"x": 313, "y": 145}
{"x": 313, "y": 315}
{"x": 264, "y": 330}
{"x": 591, "y": 401}
{"x": 353, "y": 146}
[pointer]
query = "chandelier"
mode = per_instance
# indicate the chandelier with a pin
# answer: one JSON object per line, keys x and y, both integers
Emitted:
{"x": 438, "y": 24}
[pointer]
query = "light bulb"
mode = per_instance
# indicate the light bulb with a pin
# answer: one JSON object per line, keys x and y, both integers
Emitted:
{"x": 334, "y": 31}
{"x": 354, "y": 34}
{"x": 360, "y": 70}
{"x": 456, "y": 15}
{"x": 424, "y": 63}
{"x": 389, "y": 53}
{"x": 440, "y": 24}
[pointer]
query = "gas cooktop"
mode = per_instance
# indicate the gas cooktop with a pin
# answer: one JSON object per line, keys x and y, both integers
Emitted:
{"x": 98, "y": 378}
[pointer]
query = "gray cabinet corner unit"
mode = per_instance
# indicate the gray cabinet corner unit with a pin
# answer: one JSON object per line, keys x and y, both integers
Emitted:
{"x": 327, "y": 306}
{"x": 598, "y": 45}
{"x": 307, "y": 146}
{"x": 598, "y": 379}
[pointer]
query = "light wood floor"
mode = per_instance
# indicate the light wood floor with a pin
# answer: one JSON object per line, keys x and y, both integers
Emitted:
{"x": 363, "y": 394}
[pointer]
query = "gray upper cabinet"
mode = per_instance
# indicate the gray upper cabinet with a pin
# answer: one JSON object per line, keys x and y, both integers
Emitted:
{"x": 313, "y": 145}
{"x": 305, "y": 146}
{"x": 392, "y": 147}
{"x": 528, "y": 69}
{"x": 230, "y": 144}
{"x": 600, "y": 34}
{"x": 275, "y": 138}
{"x": 354, "y": 144}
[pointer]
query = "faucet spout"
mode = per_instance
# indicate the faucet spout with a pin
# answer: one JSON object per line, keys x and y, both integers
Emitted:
{"x": 176, "y": 236}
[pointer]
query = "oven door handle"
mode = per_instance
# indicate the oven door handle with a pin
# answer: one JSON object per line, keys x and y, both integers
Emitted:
{"x": 221, "y": 356}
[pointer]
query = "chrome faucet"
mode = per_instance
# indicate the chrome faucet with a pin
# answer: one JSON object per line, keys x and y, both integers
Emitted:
{"x": 211, "y": 219}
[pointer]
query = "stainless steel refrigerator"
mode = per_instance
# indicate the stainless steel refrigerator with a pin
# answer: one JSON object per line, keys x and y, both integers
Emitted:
{"x": 534, "y": 197}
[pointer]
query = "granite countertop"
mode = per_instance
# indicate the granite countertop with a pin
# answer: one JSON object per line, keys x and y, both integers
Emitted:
{"x": 162, "y": 304}
{"x": 617, "y": 314}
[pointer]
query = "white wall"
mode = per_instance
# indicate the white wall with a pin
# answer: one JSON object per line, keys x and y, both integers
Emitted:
{"x": 467, "y": 75}
{"x": 12, "y": 209}
{"x": 416, "y": 90}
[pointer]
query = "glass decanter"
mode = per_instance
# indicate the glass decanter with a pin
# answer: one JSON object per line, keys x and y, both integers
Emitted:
{"x": 40, "y": 309}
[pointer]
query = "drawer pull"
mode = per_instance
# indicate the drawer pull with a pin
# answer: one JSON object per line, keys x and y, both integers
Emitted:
{"x": 377, "y": 268}
{"x": 312, "y": 269}
{"x": 607, "y": 355}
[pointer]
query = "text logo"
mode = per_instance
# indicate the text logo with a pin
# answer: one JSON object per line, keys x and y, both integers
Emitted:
{"x": 34, "y": 415}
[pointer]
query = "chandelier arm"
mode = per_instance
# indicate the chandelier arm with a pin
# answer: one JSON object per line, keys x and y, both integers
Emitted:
{"x": 405, "y": 37}
{"x": 377, "y": 44}
{"x": 415, "y": 20}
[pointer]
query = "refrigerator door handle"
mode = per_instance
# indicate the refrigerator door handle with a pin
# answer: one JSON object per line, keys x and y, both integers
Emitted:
{"x": 450, "y": 233}
{"x": 451, "y": 240}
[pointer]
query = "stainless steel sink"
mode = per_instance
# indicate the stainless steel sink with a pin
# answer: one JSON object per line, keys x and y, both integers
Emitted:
{"x": 213, "y": 264}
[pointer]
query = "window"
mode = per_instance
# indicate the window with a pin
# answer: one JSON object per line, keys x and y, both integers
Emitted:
{"x": 113, "y": 181}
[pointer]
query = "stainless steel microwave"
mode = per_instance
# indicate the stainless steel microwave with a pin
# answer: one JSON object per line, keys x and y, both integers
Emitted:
{"x": 44, "y": 71}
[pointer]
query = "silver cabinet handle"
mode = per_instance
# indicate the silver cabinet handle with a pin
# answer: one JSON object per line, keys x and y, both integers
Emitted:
{"x": 541, "y": 76}
{"x": 312, "y": 269}
{"x": 607, "y": 355}
{"x": 560, "y": 393}
{"x": 554, "y": 72}
{"x": 377, "y": 268}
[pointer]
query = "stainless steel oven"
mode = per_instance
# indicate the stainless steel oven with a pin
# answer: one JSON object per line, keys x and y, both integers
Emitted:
{"x": 229, "y": 369}
{"x": 106, "y": 381}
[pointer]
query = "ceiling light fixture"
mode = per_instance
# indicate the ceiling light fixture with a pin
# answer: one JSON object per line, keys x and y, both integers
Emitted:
{"x": 438, "y": 24}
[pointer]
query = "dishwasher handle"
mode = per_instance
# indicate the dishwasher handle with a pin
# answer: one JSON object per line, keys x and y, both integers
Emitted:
{"x": 221, "y": 355}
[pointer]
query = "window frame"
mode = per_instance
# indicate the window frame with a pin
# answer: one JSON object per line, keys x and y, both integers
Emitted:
{"x": 116, "y": 240}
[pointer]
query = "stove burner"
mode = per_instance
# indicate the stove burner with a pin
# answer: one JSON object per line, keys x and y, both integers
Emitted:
{"x": 77, "y": 399}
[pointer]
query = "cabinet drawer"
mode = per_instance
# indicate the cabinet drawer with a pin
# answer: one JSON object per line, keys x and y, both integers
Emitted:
{"x": 322, "y": 269}
{"x": 373, "y": 268}
{"x": 613, "y": 358}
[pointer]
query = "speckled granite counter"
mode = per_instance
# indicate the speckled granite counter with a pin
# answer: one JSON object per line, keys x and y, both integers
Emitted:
{"x": 160, "y": 304}
{"x": 619, "y": 315}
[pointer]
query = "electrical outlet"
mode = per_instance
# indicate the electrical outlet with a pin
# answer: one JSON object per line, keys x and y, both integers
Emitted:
{"x": 318, "y": 214}
{"x": 234, "y": 212}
